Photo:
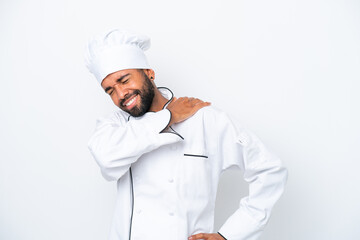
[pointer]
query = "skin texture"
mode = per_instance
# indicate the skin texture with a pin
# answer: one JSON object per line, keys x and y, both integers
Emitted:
{"x": 184, "y": 107}
{"x": 125, "y": 85}
{"x": 206, "y": 236}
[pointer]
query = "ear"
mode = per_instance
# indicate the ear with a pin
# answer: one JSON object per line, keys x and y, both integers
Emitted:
{"x": 150, "y": 73}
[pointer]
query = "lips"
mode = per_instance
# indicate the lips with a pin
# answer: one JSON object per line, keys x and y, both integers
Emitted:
{"x": 130, "y": 102}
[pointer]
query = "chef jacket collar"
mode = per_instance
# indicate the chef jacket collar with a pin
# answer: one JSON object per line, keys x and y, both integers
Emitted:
{"x": 167, "y": 93}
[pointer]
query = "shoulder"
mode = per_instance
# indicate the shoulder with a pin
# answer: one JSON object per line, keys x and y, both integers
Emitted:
{"x": 209, "y": 111}
{"x": 210, "y": 119}
{"x": 219, "y": 121}
{"x": 212, "y": 114}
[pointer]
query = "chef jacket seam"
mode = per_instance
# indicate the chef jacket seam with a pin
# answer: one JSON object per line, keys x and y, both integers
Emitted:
{"x": 175, "y": 132}
{"x": 172, "y": 96}
{"x": 222, "y": 235}
{"x": 167, "y": 123}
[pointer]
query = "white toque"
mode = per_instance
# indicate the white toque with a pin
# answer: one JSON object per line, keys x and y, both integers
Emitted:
{"x": 114, "y": 51}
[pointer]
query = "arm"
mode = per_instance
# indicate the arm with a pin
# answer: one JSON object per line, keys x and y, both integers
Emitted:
{"x": 262, "y": 170}
{"x": 116, "y": 143}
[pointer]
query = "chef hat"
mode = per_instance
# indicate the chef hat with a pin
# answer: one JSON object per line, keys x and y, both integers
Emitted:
{"x": 114, "y": 51}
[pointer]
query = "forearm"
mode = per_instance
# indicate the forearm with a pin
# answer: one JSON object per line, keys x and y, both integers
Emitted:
{"x": 266, "y": 184}
{"x": 115, "y": 146}
{"x": 265, "y": 174}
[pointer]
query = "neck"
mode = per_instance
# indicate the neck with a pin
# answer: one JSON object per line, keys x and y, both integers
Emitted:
{"x": 159, "y": 102}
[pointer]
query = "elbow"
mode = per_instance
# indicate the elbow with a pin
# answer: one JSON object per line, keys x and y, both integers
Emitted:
{"x": 108, "y": 175}
{"x": 278, "y": 178}
{"x": 110, "y": 168}
{"x": 285, "y": 174}
{"x": 279, "y": 174}
{"x": 282, "y": 172}
{"x": 112, "y": 171}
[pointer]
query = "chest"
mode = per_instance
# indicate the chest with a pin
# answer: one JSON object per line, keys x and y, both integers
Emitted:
{"x": 188, "y": 169}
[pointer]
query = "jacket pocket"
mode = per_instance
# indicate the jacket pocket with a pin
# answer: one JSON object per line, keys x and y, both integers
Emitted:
{"x": 195, "y": 155}
{"x": 194, "y": 176}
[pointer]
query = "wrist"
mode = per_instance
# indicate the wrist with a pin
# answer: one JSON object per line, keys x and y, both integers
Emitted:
{"x": 172, "y": 119}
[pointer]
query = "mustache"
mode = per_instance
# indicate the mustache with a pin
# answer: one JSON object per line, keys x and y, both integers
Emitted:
{"x": 128, "y": 96}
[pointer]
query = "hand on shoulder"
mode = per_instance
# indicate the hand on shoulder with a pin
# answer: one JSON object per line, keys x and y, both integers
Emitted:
{"x": 184, "y": 107}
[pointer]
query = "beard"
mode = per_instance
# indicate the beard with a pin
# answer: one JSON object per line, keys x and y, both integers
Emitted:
{"x": 146, "y": 94}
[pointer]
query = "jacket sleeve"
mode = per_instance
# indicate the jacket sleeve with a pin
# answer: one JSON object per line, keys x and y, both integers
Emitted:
{"x": 117, "y": 143}
{"x": 262, "y": 170}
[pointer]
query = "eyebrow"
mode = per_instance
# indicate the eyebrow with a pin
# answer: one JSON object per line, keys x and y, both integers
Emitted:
{"x": 119, "y": 80}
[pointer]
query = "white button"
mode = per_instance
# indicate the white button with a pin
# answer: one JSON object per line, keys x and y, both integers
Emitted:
{"x": 171, "y": 213}
{"x": 138, "y": 211}
{"x": 173, "y": 147}
{"x": 171, "y": 180}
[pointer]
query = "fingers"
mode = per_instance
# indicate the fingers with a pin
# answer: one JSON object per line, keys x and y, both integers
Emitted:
{"x": 189, "y": 101}
{"x": 192, "y": 101}
{"x": 199, "y": 236}
{"x": 184, "y": 107}
{"x": 201, "y": 104}
{"x": 196, "y": 101}
{"x": 195, "y": 104}
{"x": 173, "y": 100}
{"x": 206, "y": 236}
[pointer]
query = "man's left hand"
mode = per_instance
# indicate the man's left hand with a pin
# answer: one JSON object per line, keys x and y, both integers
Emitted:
{"x": 206, "y": 236}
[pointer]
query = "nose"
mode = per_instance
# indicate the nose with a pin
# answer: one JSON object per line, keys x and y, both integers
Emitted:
{"x": 121, "y": 92}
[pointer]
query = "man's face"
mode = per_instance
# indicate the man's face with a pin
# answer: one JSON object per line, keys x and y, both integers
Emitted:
{"x": 131, "y": 90}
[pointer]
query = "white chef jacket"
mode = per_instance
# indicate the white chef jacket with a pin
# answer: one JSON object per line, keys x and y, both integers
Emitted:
{"x": 175, "y": 174}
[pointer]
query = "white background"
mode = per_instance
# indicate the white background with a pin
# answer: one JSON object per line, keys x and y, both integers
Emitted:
{"x": 287, "y": 69}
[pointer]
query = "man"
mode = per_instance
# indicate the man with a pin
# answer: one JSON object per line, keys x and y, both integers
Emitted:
{"x": 167, "y": 153}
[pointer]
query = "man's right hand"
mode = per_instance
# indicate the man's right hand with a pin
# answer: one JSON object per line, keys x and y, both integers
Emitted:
{"x": 183, "y": 108}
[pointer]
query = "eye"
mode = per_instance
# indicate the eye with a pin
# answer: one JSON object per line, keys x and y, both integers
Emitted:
{"x": 125, "y": 81}
{"x": 110, "y": 91}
